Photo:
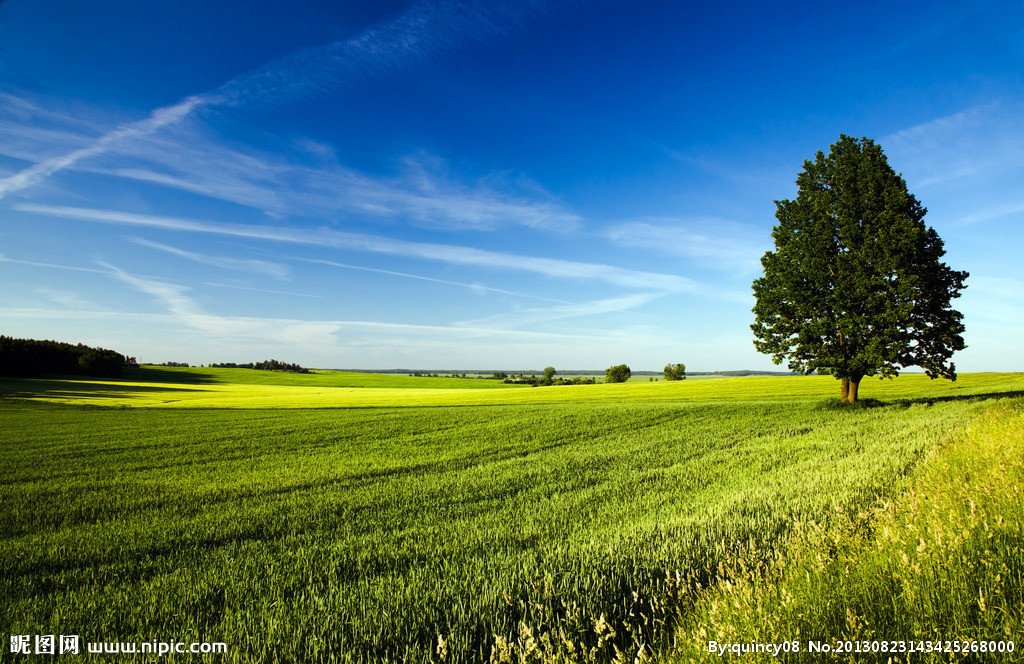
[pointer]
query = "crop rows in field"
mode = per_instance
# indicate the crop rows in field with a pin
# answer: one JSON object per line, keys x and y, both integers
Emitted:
{"x": 401, "y": 534}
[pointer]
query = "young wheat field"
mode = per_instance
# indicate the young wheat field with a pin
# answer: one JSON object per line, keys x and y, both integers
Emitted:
{"x": 361, "y": 518}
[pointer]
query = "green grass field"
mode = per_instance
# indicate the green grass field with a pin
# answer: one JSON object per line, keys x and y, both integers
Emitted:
{"x": 246, "y": 388}
{"x": 362, "y": 518}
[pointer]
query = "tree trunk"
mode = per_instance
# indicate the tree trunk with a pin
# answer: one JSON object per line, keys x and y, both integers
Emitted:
{"x": 848, "y": 388}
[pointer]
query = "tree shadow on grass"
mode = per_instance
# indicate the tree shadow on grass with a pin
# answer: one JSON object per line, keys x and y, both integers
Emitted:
{"x": 53, "y": 388}
{"x": 159, "y": 375}
{"x": 982, "y": 396}
{"x": 862, "y": 404}
{"x": 64, "y": 386}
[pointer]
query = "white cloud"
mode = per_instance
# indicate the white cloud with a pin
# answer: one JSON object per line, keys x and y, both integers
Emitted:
{"x": 65, "y": 298}
{"x": 476, "y": 287}
{"x": 30, "y": 132}
{"x": 262, "y": 290}
{"x": 186, "y": 312}
{"x": 453, "y": 254}
{"x": 994, "y": 212}
{"x": 715, "y": 242}
{"x": 301, "y": 178}
{"x": 370, "y": 344}
{"x": 976, "y": 142}
{"x": 34, "y": 174}
{"x": 533, "y": 316}
{"x": 275, "y": 270}
{"x": 425, "y": 193}
{"x": 422, "y": 192}
{"x": 325, "y": 335}
{"x": 5, "y": 259}
{"x": 423, "y": 30}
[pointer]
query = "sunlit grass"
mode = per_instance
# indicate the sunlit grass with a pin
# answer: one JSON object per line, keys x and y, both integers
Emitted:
{"x": 316, "y": 378}
{"x": 347, "y": 390}
{"x": 943, "y": 562}
{"x": 411, "y": 529}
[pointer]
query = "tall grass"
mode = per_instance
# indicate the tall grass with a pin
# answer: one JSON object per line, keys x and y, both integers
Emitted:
{"x": 944, "y": 562}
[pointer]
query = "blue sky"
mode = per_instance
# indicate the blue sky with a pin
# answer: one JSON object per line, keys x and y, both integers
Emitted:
{"x": 477, "y": 184}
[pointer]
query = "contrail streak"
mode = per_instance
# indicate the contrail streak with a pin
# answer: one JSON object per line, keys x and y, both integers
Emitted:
{"x": 421, "y": 31}
{"x": 161, "y": 117}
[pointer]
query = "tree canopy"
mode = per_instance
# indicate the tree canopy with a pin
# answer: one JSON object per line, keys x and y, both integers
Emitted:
{"x": 675, "y": 371}
{"x": 620, "y": 373}
{"x": 855, "y": 286}
{"x": 31, "y": 357}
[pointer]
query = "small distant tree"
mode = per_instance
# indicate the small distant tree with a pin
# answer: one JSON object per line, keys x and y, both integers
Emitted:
{"x": 620, "y": 373}
{"x": 675, "y": 371}
{"x": 549, "y": 374}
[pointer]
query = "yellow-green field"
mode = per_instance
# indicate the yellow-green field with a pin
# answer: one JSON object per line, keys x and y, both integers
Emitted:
{"x": 243, "y": 388}
{"x": 341, "y": 517}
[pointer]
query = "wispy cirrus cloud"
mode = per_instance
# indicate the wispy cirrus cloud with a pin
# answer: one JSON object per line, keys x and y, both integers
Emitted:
{"x": 976, "y": 142}
{"x": 32, "y": 132}
{"x": 161, "y": 117}
{"x": 995, "y": 211}
{"x": 262, "y": 290}
{"x": 476, "y": 287}
{"x": 535, "y": 315}
{"x": 184, "y": 311}
{"x": 52, "y": 266}
{"x": 300, "y": 177}
{"x": 276, "y": 270}
{"x": 422, "y": 191}
{"x": 714, "y": 242}
{"x": 424, "y": 30}
{"x": 64, "y": 297}
{"x": 452, "y": 254}
{"x": 425, "y": 192}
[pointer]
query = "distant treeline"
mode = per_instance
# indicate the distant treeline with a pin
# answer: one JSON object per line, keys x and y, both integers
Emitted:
{"x": 490, "y": 373}
{"x": 740, "y": 372}
{"x": 541, "y": 381}
{"x": 485, "y": 374}
{"x": 29, "y": 357}
{"x": 512, "y": 379}
{"x": 266, "y": 365}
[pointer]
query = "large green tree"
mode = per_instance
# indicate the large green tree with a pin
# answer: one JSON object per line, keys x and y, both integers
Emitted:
{"x": 856, "y": 286}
